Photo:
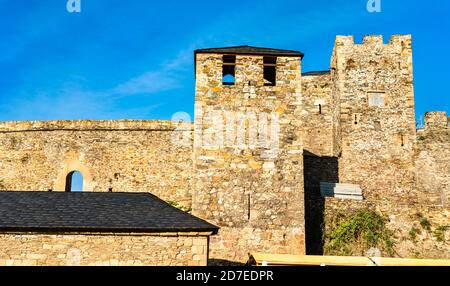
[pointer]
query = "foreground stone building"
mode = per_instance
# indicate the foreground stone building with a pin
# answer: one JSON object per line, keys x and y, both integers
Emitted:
{"x": 99, "y": 229}
{"x": 272, "y": 152}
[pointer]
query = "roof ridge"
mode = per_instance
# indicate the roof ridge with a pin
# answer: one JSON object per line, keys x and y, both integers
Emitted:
{"x": 251, "y": 50}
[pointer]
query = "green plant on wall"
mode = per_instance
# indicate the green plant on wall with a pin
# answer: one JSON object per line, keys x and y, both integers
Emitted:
{"x": 425, "y": 223}
{"x": 439, "y": 233}
{"x": 179, "y": 206}
{"x": 413, "y": 233}
{"x": 356, "y": 233}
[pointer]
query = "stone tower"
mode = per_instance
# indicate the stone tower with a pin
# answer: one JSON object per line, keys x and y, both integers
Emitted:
{"x": 248, "y": 162}
{"x": 373, "y": 83}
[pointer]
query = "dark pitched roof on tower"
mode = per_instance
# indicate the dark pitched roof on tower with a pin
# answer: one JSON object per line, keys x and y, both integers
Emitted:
{"x": 94, "y": 212}
{"x": 249, "y": 50}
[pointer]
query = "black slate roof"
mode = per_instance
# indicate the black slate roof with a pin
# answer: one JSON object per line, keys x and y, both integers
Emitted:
{"x": 94, "y": 212}
{"x": 249, "y": 50}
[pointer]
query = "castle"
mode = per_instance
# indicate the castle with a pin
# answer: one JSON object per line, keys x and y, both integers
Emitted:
{"x": 340, "y": 140}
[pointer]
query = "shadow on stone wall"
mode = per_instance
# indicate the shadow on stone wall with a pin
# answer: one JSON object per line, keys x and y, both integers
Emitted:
{"x": 316, "y": 169}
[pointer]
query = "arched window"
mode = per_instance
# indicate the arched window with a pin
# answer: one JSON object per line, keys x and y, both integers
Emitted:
{"x": 74, "y": 182}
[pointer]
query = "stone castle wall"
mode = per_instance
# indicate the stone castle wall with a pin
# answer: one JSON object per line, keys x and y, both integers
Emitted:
{"x": 404, "y": 175}
{"x": 432, "y": 158}
{"x": 255, "y": 198}
{"x": 165, "y": 249}
{"x": 318, "y": 115}
{"x": 126, "y": 156}
{"x": 432, "y": 161}
{"x": 377, "y": 142}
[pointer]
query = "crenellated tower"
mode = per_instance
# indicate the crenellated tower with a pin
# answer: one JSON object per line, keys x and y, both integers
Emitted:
{"x": 373, "y": 85}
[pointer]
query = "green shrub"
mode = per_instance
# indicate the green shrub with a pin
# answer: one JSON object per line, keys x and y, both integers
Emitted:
{"x": 439, "y": 233}
{"x": 414, "y": 232}
{"x": 425, "y": 223}
{"x": 417, "y": 255}
{"x": 356, "y": 233}
{"x": 179, "y": 206}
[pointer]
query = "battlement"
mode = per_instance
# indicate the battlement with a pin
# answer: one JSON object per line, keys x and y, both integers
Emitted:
{"x": 87, "y": 125}
{"x": 372, "y": 40}
{"x": 437, "y": 120}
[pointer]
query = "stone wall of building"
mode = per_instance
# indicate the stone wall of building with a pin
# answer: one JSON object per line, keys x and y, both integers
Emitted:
{"x": 377, "y": 118}
{"x": 404, "y": 175}
{"x": 318, "y": 114}
{"x": 163, "y": 249}
{"x": 377, "y": 122}
{"x": 433, "y": 185}
{"x": 122, "y": 156}
{"x": 433, "y": 161}
{"x": 254, "y": 193}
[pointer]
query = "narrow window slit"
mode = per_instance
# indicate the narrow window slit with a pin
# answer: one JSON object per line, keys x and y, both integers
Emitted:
{"x": 249, "y": 207}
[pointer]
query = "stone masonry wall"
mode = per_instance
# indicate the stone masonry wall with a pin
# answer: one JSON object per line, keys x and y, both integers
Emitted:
{"x": 256, "y": 199}
{"x": 433, "y": 186}
{"x": 319, "y": 127}
{"x": 318, "y": 115}
{"x": 379, "y": 146}
{"x": 127, "y": 156}
{"x": 103, "y": 250}
{"x": 377, "y": 142}
{"x": 433, "y": 161}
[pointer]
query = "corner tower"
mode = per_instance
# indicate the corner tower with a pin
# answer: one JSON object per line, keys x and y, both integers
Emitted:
{"x": 374, "y": 88}
{"x": 248, "y": 150}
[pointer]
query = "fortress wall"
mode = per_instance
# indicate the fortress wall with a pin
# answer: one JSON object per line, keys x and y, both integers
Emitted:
{"x": 374, "y": 84}
{"x": 318, "y": 113}
{"x": 377, "y": 140}
{"x": 256, "y": 199}
{"x": 403, "y": 178}
{"x": 319, "y": 117}
{"x": 127, "y": 156}
{"x": 433, "y": 162}
{"x": 433, "y": 184}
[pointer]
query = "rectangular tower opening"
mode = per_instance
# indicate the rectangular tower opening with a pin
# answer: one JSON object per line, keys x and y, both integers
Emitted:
{"x": 229, "y": 70}
{"x": 270, "y": 71}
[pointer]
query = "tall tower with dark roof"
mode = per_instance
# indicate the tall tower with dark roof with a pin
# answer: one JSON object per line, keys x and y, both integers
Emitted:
{"x": 248, "y": 150}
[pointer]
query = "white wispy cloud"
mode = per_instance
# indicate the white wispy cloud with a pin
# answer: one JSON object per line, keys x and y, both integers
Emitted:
{"x": 169, "y": 76}
{"x": 71, "y": 104}
{"x": 72, "y": 101}
{"x": 149, "y": 83}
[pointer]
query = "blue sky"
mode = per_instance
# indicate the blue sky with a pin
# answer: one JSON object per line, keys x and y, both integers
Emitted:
{"x": 77, "y": 182}
{"x": 134, "y": 59}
